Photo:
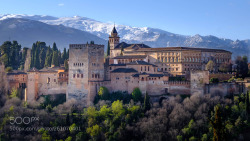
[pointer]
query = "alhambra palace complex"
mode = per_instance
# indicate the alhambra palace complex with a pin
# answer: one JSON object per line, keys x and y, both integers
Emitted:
{"x": 128, "y": 66}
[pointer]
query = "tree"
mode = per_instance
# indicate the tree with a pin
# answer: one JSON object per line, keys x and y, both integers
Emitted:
{"x": 217, "y": 125}
{"x": 225, "y": 67}
{"x": 242, "y": 66}
{"x": 108, "y": 49}
{"x": 66, "y": 64}
{"x": 48, "y": 57}
{"x": 103, "y": 93}
{"x": 94, "y": 132}
{"x": 247, "y": 104}
{"x": 5, "y": 52}
{"x": 55, "y": 59}
{"x": 117, "y": 108}
{"x": 64, "y": 55}
{"x": 9, "y": 69}
{"x": 210, "y": 66}
{"x": 214, "y": 80}
{"x": 14, "y": 93}
{"x": 146, "y": 105}
{"x": 136, "y": 94}
{"x": 54, "y": 47}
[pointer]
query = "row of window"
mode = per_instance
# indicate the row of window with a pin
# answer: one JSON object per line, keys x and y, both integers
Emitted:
{"x": 168, "y": 59}
{"x": 77, "y": 75}
{"x": 191, "y": 59}
{"x": 95, "y": 64}
{"x": 145, "y": 68}
{"x": 78, "y": 64}
{"x": 96, "y": 75}
{"x": 168, "y": 69}
{"x": 48, "y": 80}
{"x": 168, "y": 53}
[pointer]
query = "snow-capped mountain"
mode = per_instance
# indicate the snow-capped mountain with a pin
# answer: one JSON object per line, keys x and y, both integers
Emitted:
{"x": 151, "y": 36}
{"x": 27, "y": 32}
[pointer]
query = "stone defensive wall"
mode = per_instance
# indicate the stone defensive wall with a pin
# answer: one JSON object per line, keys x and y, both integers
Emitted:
{"x": 76, "y": 46}
{"x": 220, "y": 76}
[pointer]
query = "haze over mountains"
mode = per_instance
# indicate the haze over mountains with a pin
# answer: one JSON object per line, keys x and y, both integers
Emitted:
{"x": 66, "y": 30}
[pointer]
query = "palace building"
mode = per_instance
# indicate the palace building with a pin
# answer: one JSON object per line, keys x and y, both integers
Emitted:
{"x": 171, "y": 60}
{"x": 128, "y": 66}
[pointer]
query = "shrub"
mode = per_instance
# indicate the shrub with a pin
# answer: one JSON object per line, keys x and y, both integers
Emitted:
{"x": 136, "y": 94}
{"x": 103, "y": 93}
{"x": 214, "y": 80}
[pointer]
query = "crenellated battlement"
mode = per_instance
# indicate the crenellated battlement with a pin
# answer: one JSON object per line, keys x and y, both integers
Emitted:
{"x": 80, "y": 46}
{"x": 177, "y": 82}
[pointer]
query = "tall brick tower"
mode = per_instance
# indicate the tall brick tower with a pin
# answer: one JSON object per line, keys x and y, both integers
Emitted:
{"x": 86, "y": 68}
{"x": 114, "y": 40}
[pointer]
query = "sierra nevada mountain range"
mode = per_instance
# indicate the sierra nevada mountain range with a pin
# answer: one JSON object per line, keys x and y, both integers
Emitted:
{"x": 151, "y": 36}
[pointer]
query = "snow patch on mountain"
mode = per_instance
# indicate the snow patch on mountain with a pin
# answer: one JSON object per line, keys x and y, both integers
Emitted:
{"x": 151, "y": 36}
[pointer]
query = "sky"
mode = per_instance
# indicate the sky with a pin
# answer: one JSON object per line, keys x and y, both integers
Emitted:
{"x": 221, "y": 18}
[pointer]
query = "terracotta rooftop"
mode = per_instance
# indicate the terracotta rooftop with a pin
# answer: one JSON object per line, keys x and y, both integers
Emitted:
{"x": 149, "y": 75}
{"x": 183, "y": 49}
{"x": 140, "y": 63}
{"x": 54, "y": 69}
{"x": 117, "y": 65}
{"x": 131, "y": 57}
{"x": 16, "y": 73}
{"x": 131, "y": 46}
{"x": 124, "y": 70}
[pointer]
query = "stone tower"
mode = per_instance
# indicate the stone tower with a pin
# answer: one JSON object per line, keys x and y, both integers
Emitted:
{"x": 114, "y": 40}
{"x": 86, "y": 66}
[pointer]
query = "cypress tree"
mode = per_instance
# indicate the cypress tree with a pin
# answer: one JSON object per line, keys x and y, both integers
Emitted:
{"x": 146, "y": 105}
{"x": 42, "y": 57}
{"x": 5, "y": 52}
{"x": 33, "y": 55}
{"x": 64, "y": 55}
{"x": 108, "y": 49}
{"x": 54, "y": 48}
{"x": 55, "y": 59}
{"x": 59, "y": 58}
{"x": 66, "y": 65}
{"x": 36, "y": 58}
{"x": 67, "y": 54}
{"x": 247, "y": 103}
{"x": 48, "y": 57}
{"x": 217, "y": 125}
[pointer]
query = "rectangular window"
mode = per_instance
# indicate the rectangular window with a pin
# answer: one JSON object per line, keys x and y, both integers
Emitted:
{"x": 81, "y": 75}
{"x": 74, "y": 75}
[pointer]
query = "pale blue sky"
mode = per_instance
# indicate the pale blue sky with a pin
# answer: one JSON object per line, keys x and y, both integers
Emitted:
{"x": 222, "y": 18}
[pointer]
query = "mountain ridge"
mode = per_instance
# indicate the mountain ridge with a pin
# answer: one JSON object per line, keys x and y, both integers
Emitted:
{"x": 27, "y": 31}
{"x": 153, "y": 37}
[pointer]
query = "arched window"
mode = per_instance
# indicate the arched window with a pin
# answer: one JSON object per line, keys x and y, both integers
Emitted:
{"x": 48, "y": 80}
{"x": 142, "y": 79}
{"x": 173, "y": 59}
{"x": 177, "y": 59}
